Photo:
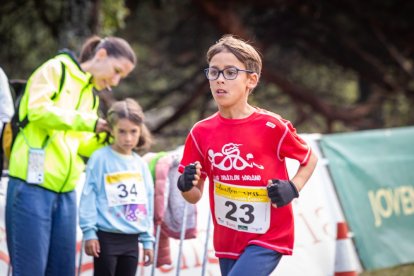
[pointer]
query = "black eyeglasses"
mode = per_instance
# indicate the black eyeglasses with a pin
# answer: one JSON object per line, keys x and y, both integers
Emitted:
{"x": 229, "y": 73}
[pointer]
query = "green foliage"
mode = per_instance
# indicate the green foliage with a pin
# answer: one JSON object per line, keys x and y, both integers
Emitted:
{"x": 112, "y": 16}
{"x": 398, "y": 111}
{"x": 20, "y": 44}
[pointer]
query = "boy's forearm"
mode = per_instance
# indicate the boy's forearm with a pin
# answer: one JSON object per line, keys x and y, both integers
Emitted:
{"x": 305, "y": 172}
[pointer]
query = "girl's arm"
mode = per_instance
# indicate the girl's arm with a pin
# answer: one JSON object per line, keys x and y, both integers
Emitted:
{"x": 148, "y": 257}
{"x": 147, "y": 237}
{"x": 87, "y": 207}
{"x": 92, "y": 248}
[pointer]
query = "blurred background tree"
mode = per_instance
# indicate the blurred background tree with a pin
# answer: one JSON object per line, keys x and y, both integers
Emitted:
{"x": 329, "y": 66}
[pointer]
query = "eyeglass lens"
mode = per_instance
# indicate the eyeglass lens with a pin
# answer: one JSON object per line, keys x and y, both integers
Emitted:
{"x": 228, "y": 73}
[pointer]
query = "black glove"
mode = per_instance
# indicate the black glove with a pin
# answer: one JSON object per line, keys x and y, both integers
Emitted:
{"x": 185, "y": 181}
{"x": 282, "y": 192}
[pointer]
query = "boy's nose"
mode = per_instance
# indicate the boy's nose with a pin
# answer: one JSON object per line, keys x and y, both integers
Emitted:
{"x": 221, "y": 75}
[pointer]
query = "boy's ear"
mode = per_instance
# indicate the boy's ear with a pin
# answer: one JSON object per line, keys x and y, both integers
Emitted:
{"x": 252, "y": 81}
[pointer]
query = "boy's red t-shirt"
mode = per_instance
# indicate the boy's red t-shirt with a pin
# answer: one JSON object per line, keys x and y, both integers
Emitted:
{"x": 239, "y": 156}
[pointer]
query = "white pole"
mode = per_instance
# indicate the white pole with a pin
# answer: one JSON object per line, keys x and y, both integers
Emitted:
{"x": 157, "y": 239}
{"x": 182, "y": 234}
{"x": 203, "y": 271}
{"x": 80, "y": 258}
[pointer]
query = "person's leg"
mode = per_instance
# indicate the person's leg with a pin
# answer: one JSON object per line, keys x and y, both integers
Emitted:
{"x": 105, "y": 265}
{"x": 115, "y": 246}
{"x": 128, "y": 255}
{"x": 257, "y": 261}
{"x": 226, "y": 265}
{"x": 62, "y": 252}
{"x": 126, "y": 266}
{"x": 29, "y": 225}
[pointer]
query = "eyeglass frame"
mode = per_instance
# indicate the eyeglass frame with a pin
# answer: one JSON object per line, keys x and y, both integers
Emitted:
{"x": 222, "y": 72}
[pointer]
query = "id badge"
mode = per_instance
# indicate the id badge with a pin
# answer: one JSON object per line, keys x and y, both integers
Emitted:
{"x": 36, "y": 166}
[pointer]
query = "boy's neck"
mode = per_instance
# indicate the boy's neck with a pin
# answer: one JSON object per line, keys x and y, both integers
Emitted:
{"x": 237, "y": 113}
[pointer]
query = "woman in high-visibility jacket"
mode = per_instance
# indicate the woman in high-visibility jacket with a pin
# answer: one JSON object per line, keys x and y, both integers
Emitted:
{"x": 60, "y": 108}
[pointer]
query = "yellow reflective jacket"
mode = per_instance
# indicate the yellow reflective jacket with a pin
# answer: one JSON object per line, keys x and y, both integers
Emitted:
{"x": 62, "y": 122}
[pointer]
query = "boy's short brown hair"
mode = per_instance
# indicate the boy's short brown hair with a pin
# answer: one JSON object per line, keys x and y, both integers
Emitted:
{"x": 243, "y": 51}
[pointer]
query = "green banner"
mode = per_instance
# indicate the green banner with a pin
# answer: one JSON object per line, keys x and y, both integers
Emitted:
{"x": 373, "y": 172}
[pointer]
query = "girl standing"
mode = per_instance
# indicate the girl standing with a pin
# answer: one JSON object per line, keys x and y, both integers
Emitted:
{"x": 116, "y": 206}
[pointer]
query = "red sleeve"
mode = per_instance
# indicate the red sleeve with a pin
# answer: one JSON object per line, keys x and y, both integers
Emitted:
{"x": 292, "y": 146}
{"x": 191, "y": 154}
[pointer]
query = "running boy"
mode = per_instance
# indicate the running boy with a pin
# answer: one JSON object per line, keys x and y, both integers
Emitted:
{"x": 116, "y": 206}
{"x": 242, "y": 150}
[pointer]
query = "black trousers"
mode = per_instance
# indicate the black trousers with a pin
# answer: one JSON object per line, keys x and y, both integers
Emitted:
{"x": 119, "y": 255}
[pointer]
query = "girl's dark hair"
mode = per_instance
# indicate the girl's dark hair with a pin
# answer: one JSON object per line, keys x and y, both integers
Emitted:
{"x": 131, "y": 110}
{"x": 114, "y": 46}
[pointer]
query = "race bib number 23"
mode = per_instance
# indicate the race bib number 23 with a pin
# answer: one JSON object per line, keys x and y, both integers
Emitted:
{"x": 242, "y": 208}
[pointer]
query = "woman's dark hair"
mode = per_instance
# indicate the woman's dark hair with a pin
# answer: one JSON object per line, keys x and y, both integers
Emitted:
{"x": 114, "y": 46}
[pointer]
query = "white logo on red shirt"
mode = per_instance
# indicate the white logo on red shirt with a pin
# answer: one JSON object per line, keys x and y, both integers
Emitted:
{"x": 229, "y": 158}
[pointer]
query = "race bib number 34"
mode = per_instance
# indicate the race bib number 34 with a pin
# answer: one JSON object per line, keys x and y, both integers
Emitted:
{"x": 125, "y": 188}
{"x": 242, "y": 208}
